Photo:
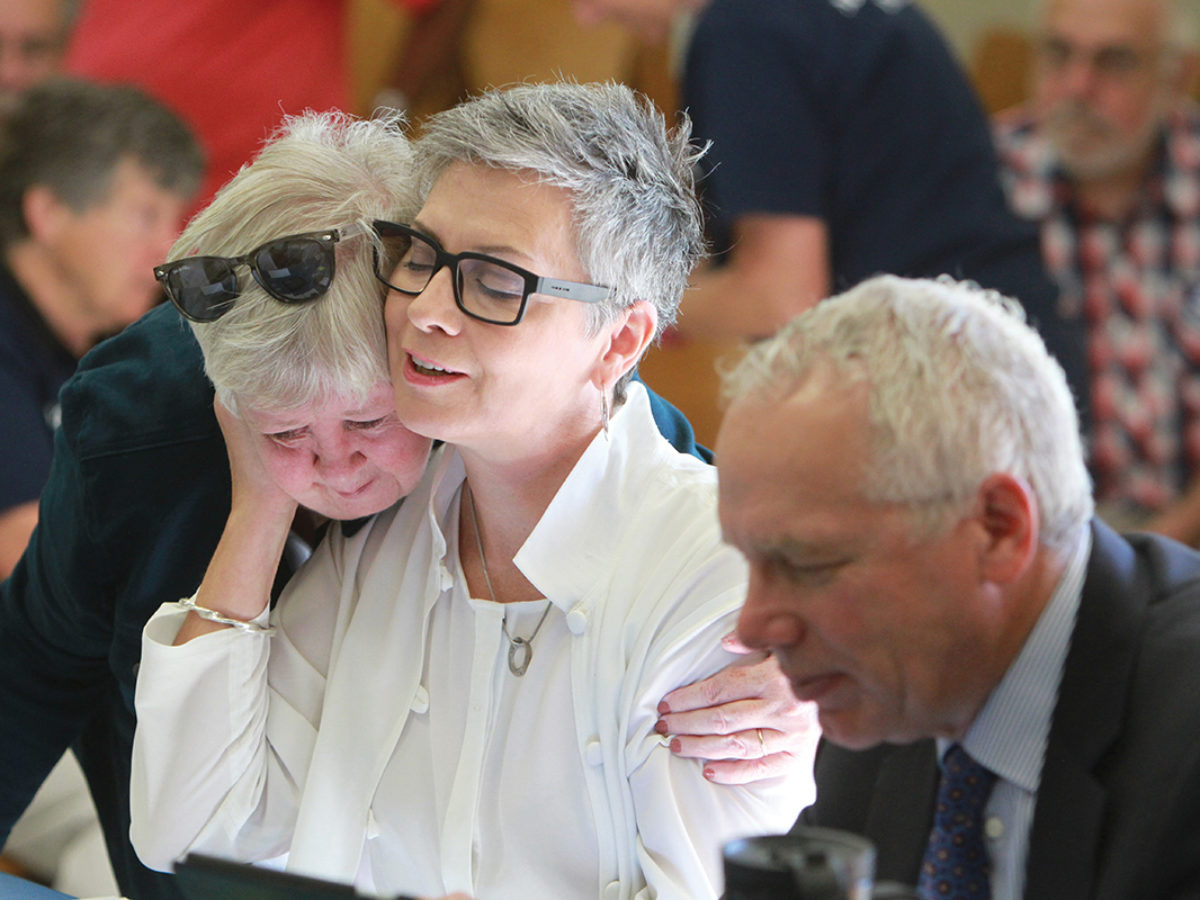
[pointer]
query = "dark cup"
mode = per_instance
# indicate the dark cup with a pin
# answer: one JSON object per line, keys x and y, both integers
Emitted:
{"x": 808, "y": 864}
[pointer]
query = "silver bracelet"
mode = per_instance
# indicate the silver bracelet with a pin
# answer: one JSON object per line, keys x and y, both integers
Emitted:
{"x": 212, "y": 615}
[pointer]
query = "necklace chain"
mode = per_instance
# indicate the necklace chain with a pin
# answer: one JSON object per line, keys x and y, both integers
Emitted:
{"x": 520, "y": 650}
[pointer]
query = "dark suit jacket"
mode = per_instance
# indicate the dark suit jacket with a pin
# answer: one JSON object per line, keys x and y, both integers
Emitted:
{"x": 1117, "y": 815}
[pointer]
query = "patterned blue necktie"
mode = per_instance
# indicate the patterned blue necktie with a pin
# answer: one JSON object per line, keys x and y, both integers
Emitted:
{"x": 956, "y": 865}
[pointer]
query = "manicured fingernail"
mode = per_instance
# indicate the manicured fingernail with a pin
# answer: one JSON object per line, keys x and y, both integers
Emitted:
{"x": 663, "y": 708}
{"x": 676, "y": 746}
{"x": 709, "y": 773}
{"x": 660, "y": 726}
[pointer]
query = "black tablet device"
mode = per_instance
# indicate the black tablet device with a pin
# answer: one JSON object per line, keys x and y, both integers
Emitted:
{"x": 201, "y": 877}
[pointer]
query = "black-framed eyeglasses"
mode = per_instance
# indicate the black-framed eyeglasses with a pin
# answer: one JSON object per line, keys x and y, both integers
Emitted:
{"x": 485, "y": 288}
{"x": 297, "y": 268}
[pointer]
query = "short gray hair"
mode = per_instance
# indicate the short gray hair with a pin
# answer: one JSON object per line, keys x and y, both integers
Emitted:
{"x": 638, "y": 223}
{"x": 69, "y": 136}
{"x": 960, "y": 388}
{"x": 319, "y": 171}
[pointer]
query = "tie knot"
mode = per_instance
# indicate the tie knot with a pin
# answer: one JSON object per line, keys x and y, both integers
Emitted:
{"x": 960, "y": 765}
{"x": 965, "y": 781}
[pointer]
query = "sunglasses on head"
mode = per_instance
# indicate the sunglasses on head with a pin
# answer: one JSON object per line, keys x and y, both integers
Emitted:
{"x": 294, "y": 269}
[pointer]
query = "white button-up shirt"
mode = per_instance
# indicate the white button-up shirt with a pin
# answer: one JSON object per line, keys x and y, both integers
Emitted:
{"x": 392, "y": 745}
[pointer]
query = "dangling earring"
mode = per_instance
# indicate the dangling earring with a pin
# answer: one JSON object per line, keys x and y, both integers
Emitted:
{"x": 604, "y": 410}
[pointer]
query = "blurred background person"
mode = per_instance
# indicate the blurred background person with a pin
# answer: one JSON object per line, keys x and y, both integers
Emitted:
{"x": 847, "y": 141}
{"x": 232, "y": 69}
{"x": 33, "y": 34}
{"x": 93, "y": 185}
{"x": 1106, "y": 158}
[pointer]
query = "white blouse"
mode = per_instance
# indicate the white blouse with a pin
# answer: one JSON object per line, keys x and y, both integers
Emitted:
{"x": 380, "y": 737}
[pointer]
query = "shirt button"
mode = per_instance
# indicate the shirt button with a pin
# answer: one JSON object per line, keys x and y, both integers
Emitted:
{"x": 577, "y": 620}
{"x": 612, "y": 890}
{"x": 594, "y": 753}
{"x": 420, "y": 700}
{"x": 447, "y": 578}
{"x": 994, "y": 828}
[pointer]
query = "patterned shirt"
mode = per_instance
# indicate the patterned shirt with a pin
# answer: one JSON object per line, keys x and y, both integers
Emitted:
{"x": 1132, "y": 283}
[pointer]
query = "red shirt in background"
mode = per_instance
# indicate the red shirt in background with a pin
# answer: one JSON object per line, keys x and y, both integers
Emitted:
{"x": 231, "y": 68}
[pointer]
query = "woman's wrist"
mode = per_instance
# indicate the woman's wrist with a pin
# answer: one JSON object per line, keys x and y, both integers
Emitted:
{"x": 249, "y": 626}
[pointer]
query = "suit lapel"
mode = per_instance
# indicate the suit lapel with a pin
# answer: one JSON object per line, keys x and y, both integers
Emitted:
{"x": 1064, "y": 838}
{"x": 885, "y": 794}
{"x": 901, "y": 811}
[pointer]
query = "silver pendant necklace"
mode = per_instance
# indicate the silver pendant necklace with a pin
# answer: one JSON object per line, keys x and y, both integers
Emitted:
{"x": 520, "y": 650}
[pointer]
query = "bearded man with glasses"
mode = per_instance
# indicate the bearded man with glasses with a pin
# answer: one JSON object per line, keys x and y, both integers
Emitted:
{"x": 1105, "y": 158}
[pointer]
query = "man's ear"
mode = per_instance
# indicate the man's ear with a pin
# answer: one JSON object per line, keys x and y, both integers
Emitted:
{"x": 628, "y": 337}
{"x": 43, "y": 212}
{"x": 1009, "y": 515}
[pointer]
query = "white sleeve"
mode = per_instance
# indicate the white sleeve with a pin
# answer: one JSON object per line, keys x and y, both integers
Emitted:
{"x": 222, "y": 747}
{"x": 683, "y": 820}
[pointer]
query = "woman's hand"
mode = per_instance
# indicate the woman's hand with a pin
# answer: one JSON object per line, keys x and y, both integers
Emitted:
{"x": 237, "y": 583}
{"x": 744, "y": 721}
{"x": 253, "y": 486}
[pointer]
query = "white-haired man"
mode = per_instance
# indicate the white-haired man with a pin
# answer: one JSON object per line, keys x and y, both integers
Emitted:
{"x": 901, "y": 466}
{"x": 1106, "y": 157}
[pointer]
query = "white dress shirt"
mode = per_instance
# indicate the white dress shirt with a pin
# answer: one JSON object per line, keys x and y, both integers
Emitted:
{"x": 380, "y": 737}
